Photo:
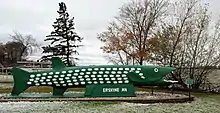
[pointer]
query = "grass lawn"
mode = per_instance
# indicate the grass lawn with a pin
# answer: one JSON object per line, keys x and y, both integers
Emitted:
{"x": 204, "y": 103}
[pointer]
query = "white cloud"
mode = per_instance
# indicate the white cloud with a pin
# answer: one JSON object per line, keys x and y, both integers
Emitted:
{"x": 91, "y": 17}
{"x": 36, "y": 18}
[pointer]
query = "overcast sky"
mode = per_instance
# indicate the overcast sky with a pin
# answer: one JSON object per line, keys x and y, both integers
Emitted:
{"x": 91, "y": 17}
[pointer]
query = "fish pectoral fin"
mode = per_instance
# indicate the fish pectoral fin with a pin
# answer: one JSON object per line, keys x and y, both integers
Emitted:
{"x": 59, "y": 91}
{"x": 134, "y": 77}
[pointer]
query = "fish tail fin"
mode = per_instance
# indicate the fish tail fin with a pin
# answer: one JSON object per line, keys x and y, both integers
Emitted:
{"x": 21, "y": 78}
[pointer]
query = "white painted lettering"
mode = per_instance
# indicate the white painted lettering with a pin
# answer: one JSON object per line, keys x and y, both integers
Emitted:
{"x": 124, "y": 90}
{"x": 110, "y": 90}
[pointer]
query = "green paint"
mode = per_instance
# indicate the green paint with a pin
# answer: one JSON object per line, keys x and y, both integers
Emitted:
{"x": 19, "y": 82}
{"x": 57, "y": 91}
{"x": 94, "y": 78}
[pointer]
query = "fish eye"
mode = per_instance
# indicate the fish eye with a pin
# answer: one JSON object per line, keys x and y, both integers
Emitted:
{"x": 156, "y": 70}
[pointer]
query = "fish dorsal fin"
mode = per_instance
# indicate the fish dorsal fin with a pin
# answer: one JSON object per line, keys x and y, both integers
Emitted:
{"x": 57, "y": 63}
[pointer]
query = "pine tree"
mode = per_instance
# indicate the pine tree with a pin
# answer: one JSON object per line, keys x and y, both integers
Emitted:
{"x": 63, "y": 38}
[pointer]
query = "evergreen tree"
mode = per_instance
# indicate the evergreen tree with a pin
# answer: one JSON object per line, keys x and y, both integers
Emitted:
{"x": 63, "y": 38}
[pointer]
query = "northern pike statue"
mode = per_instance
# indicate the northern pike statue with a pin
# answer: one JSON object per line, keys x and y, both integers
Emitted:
{"x": 100, "y": 80}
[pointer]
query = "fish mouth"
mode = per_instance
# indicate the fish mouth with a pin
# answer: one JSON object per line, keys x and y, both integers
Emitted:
{"x": 171, "y": 69}
{"x": 170, "y": 81}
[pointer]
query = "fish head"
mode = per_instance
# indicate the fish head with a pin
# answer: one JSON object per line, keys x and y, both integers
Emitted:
{"x": 150, "y": 74}
{"x": 157, "y": 72}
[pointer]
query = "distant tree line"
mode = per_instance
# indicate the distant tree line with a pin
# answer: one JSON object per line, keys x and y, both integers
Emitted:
{"x": 17, "y": 49}
{"x": 63, "y": 42}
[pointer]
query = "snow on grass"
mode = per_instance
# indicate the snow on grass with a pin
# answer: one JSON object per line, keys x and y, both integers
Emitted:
{"x": 35, "y": 107}
{"x": 204, "y": 103}
{"x": 201, "y": 105}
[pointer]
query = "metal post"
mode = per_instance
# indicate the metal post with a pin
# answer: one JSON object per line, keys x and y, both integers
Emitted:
{"x": 172, "y": 89}
{"x": 152, "y": 90}
{"x": 189, "y": 92}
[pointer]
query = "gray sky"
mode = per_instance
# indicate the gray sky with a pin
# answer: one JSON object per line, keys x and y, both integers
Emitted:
{"x": 91, "y": 17}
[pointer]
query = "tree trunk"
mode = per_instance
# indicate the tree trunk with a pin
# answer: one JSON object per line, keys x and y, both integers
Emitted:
{"x": 68, "y": 53}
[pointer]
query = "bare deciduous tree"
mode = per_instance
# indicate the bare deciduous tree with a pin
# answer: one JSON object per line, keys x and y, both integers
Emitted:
{"x": 190, "y": 45}
{"x": 130, "y": 32}
{"x": 29, "y": 43}
{"x": 170, "y": 33}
